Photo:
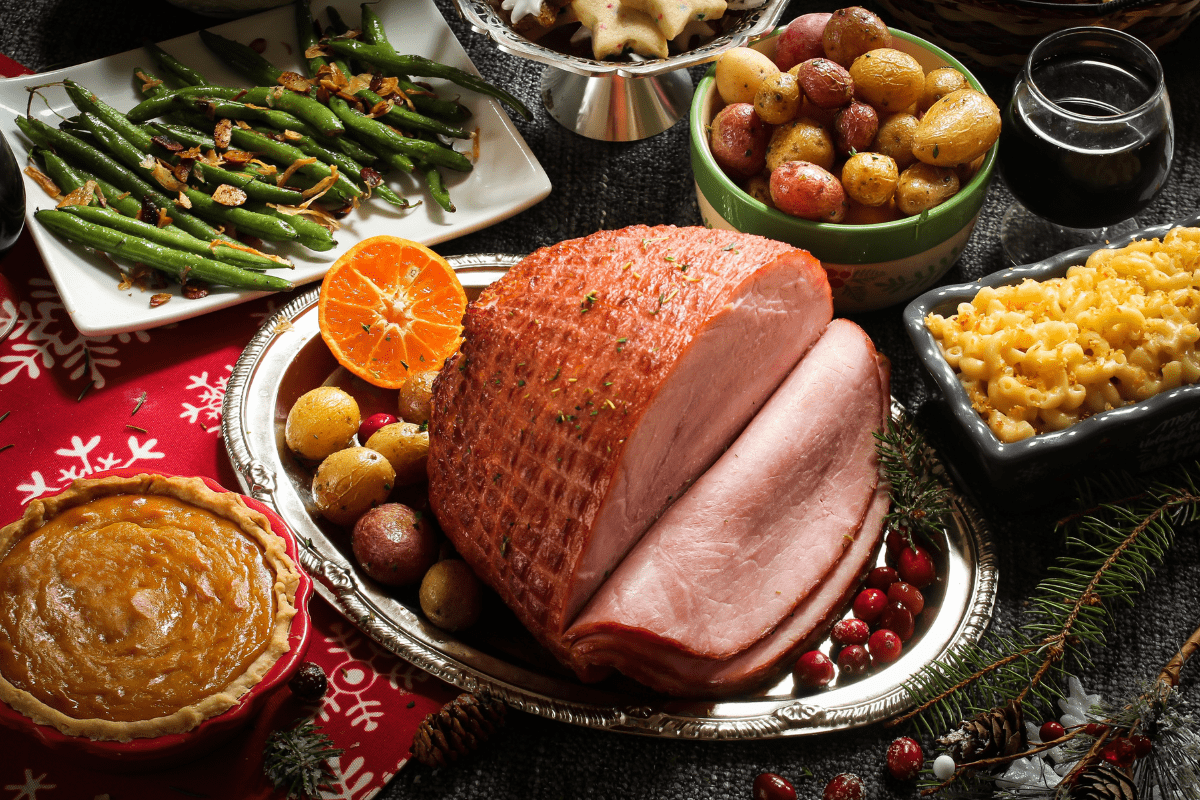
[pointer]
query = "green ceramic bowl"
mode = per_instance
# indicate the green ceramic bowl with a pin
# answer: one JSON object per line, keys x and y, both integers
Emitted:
{"x": 869, "y": 266}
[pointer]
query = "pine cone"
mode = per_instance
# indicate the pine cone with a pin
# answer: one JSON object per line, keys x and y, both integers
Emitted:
{"x": 457, "y": 730}
{"x": 1104, "y": 782}
{"x": 999, "y": 732}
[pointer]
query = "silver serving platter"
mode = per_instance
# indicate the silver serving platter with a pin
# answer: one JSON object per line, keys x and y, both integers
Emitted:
{"x": 287, "y": 357}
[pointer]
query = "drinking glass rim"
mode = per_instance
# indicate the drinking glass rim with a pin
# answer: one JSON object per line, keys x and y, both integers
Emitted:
{"x": 1159, "y": 76}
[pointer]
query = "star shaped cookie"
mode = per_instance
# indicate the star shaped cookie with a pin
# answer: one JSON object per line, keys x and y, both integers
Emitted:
{"x": 618, "y": 28}
{"x": 672, "y": 16}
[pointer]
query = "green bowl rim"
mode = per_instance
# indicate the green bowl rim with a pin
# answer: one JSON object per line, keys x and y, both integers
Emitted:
{"x": 877, "y": 240}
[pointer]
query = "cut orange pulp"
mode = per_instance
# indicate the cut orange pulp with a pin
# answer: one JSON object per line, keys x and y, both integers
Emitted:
{"x": 390, "y": 308}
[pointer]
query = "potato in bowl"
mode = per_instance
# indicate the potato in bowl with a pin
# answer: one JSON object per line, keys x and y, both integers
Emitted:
{"x": 871, "y": 264}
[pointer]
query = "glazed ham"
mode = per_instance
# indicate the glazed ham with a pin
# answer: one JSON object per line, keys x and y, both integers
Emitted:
{"x": 756, "y": 556}
{"x": 596, "y": 381}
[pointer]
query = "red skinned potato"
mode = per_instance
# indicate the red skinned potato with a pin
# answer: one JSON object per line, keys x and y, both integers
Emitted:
{"x": 853, "y": 31}
{"x": 739, "y": 140}
{"x": 394, "y": 544}
{"x": 801, "y": 40}
{"x": 805, "y": 190}
{"x": 854, "y": 128}
{"x": 825, "y": 83}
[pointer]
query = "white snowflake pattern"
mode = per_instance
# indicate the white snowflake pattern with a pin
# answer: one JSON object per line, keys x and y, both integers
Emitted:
{"x": 212, "y": 395}
{"x": 30, "y": 788}
{"x": 349, "y": 783}
{"x": 49, "y": 341}
{"x": 88, "y": 465}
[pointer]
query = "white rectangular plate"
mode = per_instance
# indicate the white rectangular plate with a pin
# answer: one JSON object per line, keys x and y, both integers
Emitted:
{"x": 506, "y": 180}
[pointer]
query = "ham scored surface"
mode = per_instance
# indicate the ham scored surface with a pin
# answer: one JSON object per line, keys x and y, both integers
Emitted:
{"x": 596, "y": 381}
{"x": 758, "y": 535}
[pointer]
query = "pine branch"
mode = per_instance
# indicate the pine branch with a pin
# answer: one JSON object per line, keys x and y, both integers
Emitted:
{"x": 1109, "y": 556}
{"x": 920, "y": 500}
{"x": 295, "y": 760}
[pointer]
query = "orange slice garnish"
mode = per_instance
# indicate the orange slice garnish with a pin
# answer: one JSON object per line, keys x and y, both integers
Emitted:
{"x": 390, "y": 308}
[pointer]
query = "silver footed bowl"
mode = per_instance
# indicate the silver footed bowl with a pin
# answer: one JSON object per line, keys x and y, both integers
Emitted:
{"x": 753, "y": 25}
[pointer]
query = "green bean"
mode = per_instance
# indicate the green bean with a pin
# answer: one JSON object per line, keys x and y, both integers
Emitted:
{"x": 384, "y": 138}
{"x": 170, "y": 236}
{"x": 176, "y": 67}
{"x": 400, "y": 116}
{"x": 306, "y": 108}
{"x": 391, "y": 61}
{"x": 372, "y": 26}
{"x": 88, "y": 102}
{"x": 185, "y": 134}
{"x": 312, "y": 234}
{"x": 254, "y": 188}
{"x": 242, "y": 58}
{"x": 146, "y": 78}
{"x": 437, "y": 186}
{"x": 246, "y": 221}
{"x": 69, "y": 179}
{"x": 164, "y": 102}
{"x": 105, "y": 166}
{"x": 180, "y": 264}
{"x": 347, "y": 165}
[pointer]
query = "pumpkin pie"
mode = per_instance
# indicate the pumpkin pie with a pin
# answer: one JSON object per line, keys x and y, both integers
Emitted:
{"x": 135, "y": 607}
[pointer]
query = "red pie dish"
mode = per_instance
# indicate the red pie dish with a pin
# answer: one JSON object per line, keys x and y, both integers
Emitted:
{"x": 144, "y": 618}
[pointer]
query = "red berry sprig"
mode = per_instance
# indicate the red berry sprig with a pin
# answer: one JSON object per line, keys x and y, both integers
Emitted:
{"x": 846, "y": 786}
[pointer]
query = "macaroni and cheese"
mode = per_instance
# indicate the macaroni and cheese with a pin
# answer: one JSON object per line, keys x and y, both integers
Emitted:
{"x": 1041, "y": 355}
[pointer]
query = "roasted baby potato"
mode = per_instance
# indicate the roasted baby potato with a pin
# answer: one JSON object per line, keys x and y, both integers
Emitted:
{"x": 895, "y": 138}
{"x": 826, "y": 83}
{"x": 888, "y": 79}
{"x": 802, "y": 139}
{"x": 939, "y": 83}
{"x": 351, "y": 481}
{"x": 740, "y": 70}
{"x": 406, "y": 447}
{"x": 957, "y": 129}
{"x": 808, "y": 191}
{"x": 870, "y": 178}
{"x": 415, "y": 396}
{"x": 854, "y": 128}
{"x": 923, "y": 186}
{"x": 320, "y": 422}
{"x": 778, "y": 99}
{"x": 853, "y": 31}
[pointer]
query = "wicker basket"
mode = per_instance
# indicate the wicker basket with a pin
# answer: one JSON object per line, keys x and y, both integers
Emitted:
{"x": 998, "y": 34}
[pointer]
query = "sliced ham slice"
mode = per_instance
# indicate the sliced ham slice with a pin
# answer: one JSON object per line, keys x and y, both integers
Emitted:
{"x": 678, "y": 673}
{"x": 596, "y": 381}
{"x": 759, "y": 532}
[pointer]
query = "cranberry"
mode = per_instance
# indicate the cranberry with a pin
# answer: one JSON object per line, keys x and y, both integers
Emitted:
{"x": 769, "y": 786}
{"x": 1142, "y": 745}
{"x": 372, "y": 424}
{"x": 309, "y": 683}
{"x": 885, "y": 646}
{"x": 850, "y": 631}
{"x": 916, "y": 567}
{"x": 1094, "y": 729}
{"x": 1119, "y": 752}
{"x": 846, "y": 786}
{"x": 869, "y": 604}
{"x": 882, "y": 578}
{"x": 908, "y": 594}
{"x": 896, "y": 617}
{"x": 1050, "y": 731}
{"x": 814, "y": 669}
{"x": 895, "y": 541}
{"x": 854, "y": 661}
{"x": 905, "y": 758}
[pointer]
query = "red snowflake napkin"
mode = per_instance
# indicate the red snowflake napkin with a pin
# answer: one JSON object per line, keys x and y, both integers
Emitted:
{"x": 73, "y": 405}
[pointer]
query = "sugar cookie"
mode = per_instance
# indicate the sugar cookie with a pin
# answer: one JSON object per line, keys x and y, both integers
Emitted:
{"x": 672, "y": 16}
{"x": 618, "y": 28}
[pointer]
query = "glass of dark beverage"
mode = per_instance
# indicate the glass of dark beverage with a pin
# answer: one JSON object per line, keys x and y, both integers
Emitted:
{"x": 1086, "y": 141}
{"x": 12, "y": 197}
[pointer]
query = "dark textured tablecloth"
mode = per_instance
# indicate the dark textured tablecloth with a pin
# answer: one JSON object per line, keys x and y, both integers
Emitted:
{"x": 603, "y": 185}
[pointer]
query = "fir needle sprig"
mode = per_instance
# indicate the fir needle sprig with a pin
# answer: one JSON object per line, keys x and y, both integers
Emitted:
{"x": 296, "y": 760}
{"x": 920, "y": 499}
